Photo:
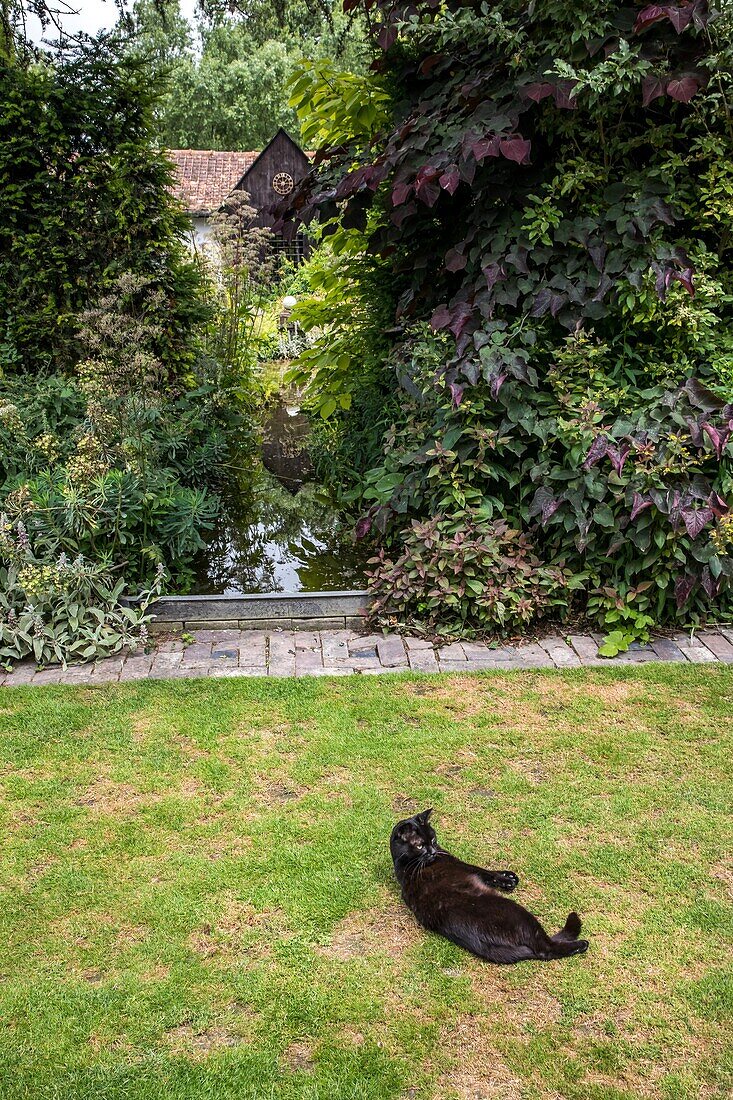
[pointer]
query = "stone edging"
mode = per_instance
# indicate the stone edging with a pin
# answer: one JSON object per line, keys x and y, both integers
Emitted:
{"x": 285, "y": 610}
{"x": 232, "y": 652}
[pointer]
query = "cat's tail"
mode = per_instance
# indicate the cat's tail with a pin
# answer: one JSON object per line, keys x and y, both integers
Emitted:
{"x": 570, "y": 930}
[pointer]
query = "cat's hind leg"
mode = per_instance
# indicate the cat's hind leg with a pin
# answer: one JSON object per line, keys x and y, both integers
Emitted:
{"x": 560, "y": 949}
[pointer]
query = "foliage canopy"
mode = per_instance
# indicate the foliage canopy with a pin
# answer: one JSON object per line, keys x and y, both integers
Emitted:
{"x": 553, "y": 192}
{"x": 85, "y": 197}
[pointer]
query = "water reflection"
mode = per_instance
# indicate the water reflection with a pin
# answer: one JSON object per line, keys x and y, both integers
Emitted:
{"x": 273, "y": 540}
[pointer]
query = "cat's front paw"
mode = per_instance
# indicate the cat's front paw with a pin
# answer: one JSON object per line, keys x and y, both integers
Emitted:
{"x": 507, "y": 881}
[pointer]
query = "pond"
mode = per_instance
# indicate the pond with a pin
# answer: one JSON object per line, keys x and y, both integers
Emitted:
{"x": 281, "y": 534}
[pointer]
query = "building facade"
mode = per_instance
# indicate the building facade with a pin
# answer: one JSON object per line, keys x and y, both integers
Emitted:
{"x": 206, "y": 178}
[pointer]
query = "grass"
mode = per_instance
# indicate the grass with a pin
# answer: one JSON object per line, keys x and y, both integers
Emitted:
{"x": 197, "y": 898}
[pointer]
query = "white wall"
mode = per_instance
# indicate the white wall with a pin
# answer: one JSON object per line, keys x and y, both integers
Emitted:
{"x": 200, "y": 231}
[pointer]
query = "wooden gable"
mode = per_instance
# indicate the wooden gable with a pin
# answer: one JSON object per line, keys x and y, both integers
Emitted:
{"x": 267, "y": 179}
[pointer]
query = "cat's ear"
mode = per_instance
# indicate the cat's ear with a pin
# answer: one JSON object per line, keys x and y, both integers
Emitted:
{"x": 424, "y": 816}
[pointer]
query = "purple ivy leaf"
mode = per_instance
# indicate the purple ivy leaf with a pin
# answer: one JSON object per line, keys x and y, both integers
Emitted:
{"x": 709, "y": 583}
{"x": 716, "y": 437}
{"x": 639, "y": 504}
{"x": 387, "y": 36}
{"x": 649, "y": 15}
{"x": 497, "y": 382}
{"x": 718, "y": 505}
{"x": 363, "y": 527}
{"x": 598, "y": 450}
{"x": 492, "y": 273}
{"x": 661, "y": 210}
{"x": 455, "y": 260}
{"x": 426, "y": 184}
{"x": 651, "y": 88}
{"x": 564, "y": 97}
{"x": 456, "y": 390}
{"x": 684, "y": 277}
{"x": 549, "y": 509}
{"x": 441, "y": 318}
{"x": 460, "y": 315}
{"x": 515, "y": 148}
{"x": 683, "y": 88}
{"x": 544, "y": 504}
{"x": 681, "y": 17}
{"x": 450, "y": 179}
{"x": 702, "y": 397}
{"x": 455, "y": 319}
{"x": 538, "y": 92}
{"x": 695, "y": 519}
{"x": 485, "y": 147}
{"x": 682, "y": 588}
{"x": 430, "y": 62}
{"x": 402, "y": 213}
{"x": 597, "y": 253}
{"x": 400, "y": 193}
{"x": 542, "y": 303}
{"x": 695, "y": 432}
{"x": 662, "y": 281}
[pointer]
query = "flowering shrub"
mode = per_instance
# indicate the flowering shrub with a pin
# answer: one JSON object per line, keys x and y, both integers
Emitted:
{"x": 463, "y": 579}
{"x": 58, "y": 610}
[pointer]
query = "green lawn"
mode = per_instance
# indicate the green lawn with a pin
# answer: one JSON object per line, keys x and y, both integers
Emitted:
{"x": 198, "y": 901}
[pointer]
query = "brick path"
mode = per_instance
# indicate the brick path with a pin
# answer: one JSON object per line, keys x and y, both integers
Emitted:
{"x": 344, "y": 652}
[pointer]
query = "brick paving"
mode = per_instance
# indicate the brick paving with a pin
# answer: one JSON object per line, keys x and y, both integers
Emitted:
{"x": 232, "y": 653}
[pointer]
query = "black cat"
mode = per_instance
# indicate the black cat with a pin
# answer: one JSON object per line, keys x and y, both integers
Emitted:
{"x": 462, "y": 902}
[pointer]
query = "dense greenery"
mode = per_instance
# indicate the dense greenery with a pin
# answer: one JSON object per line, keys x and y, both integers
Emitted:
{"x": 85, "y": 198}
{"x": 551, "y": 188}
{"x": 63, "y": 610}
{"x": 226, "y": 76}
{"x": 125, "y": 390}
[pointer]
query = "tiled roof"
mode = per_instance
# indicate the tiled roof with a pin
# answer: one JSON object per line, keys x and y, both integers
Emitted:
{"x": 204, "y": 179}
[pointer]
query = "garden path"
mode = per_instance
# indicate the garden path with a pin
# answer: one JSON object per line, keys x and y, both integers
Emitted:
{"x": 347, "y": 652}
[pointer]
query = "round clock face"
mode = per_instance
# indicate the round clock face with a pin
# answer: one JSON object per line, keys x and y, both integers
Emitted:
{"x": 282, "y": 183}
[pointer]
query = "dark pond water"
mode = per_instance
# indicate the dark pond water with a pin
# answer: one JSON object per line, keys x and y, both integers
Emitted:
{"x": 281, "y": 533}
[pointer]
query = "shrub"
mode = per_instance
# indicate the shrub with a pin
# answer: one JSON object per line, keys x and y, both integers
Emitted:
{"x": 56, "y": 610}
{"x": 552, "y": 194}
{"x": 117, "y": 463}
{"x": 463, "y": 579}
{"x": 123, "y": 393}
{"x": 85, "y": 195}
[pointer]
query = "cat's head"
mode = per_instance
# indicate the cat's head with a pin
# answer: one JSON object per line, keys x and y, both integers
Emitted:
{"x": 414, "y": 839}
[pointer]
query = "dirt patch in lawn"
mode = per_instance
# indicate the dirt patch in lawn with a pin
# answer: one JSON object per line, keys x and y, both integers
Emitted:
{"x": 723, "y": 872}
{"x": 476, "y": 1070}
{"x": 142, "y": 726}
{"x": 298, "y": 1058}
{"x": 129, "y": 935}
{"x": 387, "y": 931}
{"x": 465, "y": 696}
{"x": 200, "y": 1042}
{"x": 531, "y": 770}
{"x": 271, "y": 794}
{"x": 239, "y": 928}
{"x": 104, "y": 796}
{"x": 522, "y": 1012}
{"x": 405, "y": 806}
{"x": 107, "y": 797}
{"x": 159, "y": 973}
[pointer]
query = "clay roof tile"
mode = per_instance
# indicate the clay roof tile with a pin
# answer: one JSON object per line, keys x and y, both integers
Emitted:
{"x": 205, "y": 178}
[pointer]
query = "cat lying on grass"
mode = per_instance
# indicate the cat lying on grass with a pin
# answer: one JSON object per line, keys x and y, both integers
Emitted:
{"x": 463, "y": 903}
